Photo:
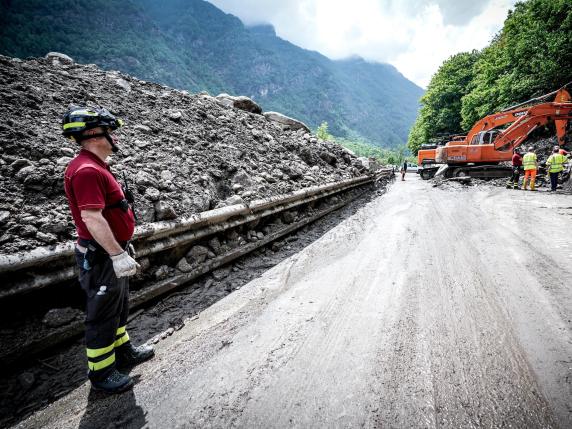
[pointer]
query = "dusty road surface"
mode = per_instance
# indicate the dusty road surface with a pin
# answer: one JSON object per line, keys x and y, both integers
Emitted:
{"x": 430, "y": 307}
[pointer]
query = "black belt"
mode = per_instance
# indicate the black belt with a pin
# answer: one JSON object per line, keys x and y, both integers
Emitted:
{"x": 94, "y": 246}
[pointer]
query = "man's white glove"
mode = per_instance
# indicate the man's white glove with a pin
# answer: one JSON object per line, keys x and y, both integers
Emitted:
{"x": 124, "y": 265}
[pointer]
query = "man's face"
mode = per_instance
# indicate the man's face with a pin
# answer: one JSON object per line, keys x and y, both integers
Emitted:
{"x": 100, "y": 142}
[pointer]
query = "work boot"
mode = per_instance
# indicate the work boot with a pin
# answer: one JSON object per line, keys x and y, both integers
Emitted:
{"x": 532, "y": 188}
{"x": 128, "y": 355}
{"x": 113, "y": 383}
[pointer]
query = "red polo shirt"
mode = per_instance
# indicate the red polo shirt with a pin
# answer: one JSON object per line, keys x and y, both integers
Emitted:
{"x": 89, "y": 184}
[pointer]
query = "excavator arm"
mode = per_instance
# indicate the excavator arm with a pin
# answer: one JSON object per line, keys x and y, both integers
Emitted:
{"x": 535, "y": 117}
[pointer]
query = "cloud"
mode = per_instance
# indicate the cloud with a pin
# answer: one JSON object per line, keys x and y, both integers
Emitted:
{"x": 416, "y": 36}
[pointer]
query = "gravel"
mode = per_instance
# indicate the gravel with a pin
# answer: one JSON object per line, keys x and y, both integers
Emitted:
{"x": 180, "y": 153}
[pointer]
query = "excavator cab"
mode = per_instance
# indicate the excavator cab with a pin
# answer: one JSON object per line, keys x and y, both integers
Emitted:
{"x": 485, "y": 137}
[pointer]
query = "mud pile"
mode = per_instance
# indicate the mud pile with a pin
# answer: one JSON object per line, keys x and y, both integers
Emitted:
{"x": 181, "y": 153}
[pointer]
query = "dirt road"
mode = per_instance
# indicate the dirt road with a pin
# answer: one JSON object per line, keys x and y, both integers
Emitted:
{"x": 428, "y": 308}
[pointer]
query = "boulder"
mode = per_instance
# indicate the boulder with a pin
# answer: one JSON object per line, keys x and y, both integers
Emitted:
{"x": 184, "y": 266}
{"x": 285, "y": 121}
{"x": 197, "y": 254}
{"x": 4, "y": 216}
{"x": 58, "y": 58}
{"x": 123, "y": 84}
{"x": 163, "y": 211}
{"x": 239, "y": 102}
{"x": 242, "y": 178}
{"x": 61, "y": 316}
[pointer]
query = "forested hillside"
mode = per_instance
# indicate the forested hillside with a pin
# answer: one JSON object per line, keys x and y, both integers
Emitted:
{"x": 190, "y": 44}
{"x": 530, "y": 56}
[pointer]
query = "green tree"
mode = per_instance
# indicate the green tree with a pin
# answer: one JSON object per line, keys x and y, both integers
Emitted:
{"x": 531, "y": 56}
{"x": 322, "y": 132}
{"x": 441, "y": 105}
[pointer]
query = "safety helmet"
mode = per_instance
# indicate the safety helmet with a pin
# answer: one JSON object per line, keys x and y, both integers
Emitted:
{"x": 79, "y": 119}
{"x": 556, "y": 149}
{"x": 530, "y": 149}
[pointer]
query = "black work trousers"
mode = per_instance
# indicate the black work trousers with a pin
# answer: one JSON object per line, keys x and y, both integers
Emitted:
{"x": 515, "y": 177}
{"x": 107, "y": 308}
{"x": 554, "y": 181}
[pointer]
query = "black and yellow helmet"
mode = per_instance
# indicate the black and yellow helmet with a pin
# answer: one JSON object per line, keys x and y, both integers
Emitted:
{"x": 79, "y": 119}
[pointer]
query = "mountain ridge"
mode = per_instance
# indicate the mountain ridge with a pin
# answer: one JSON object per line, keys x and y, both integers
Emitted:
{"x": 194, "y": 45}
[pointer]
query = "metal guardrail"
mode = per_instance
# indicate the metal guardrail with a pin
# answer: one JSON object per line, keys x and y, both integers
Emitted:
{"x": 25, "y": 272}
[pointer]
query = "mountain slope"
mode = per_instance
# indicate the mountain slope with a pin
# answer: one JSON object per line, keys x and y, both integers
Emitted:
{"x": 193, "y": 45}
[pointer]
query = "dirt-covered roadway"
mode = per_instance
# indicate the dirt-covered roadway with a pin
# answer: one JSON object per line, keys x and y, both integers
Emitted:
{"x": 429, "y": 307}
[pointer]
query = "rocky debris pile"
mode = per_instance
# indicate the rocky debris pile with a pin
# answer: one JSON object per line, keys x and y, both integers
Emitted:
{"x": 180, "y": 153}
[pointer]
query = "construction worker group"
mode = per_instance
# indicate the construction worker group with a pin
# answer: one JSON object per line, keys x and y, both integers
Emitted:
{"x": 555, "y": 165}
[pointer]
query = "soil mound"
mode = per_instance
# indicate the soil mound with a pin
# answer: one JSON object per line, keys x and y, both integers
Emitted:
{"x": 181, "y": 153}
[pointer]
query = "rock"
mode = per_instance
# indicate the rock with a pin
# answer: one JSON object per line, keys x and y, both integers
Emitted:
{"x": 231, "y": 201}
{"x": 4, "y": 216}
{"x": 292, "y": 172}
{"x": 221, "y": 273}
{"x": 145, "y": 179}
{"x": 163, "y": 211}
{"x": 239, "y": 102}
{"x": 286, "y": 121}
{"x": 25, "y": 172}
{"x": 123, "y": 84}
{"x": 56, "y": 227}
{"x": 162, "y": 272}
{"x": 141, "y": 143}
{"x": 152, "y": 194}
{"x": 242, "y": 178}
{"x": 58, "y": 58}
{"x": 46, "y": 238}
{"x": 67, "y": 151}
{"x": 175, "y": 116}
{"x": 19, "y": 164}
{"x": 197, "y": 254}
{"x": 184, "y": 266}
{"x": 167, "y": 333}
{"x": 61, "y": 316}
{"x": 64, "y": 160}
{"x": 328, "y": 158}
{"x": 289, "y": 217}
{"x": 167, "y": 175}
{"x": 214, "y": 244}
{"x": 26, "y": 380}
{"x": 142, "y": 128}
{"x": 28, "y": 231}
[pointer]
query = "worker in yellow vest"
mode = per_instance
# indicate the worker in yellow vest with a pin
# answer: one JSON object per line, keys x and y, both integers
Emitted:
{"x": 555, "y": 164}
{"x": 530, "y": 165}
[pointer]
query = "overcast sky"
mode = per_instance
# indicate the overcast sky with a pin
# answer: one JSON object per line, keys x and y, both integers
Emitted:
{"x": 413, "y": 35}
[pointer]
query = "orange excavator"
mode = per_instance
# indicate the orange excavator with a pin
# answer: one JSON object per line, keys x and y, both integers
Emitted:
{"x": 480, "y": 152}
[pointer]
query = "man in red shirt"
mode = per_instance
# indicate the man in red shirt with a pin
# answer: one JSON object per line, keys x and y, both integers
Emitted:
{"x": 105, "y": 223}
{"x": 516, "y": 169}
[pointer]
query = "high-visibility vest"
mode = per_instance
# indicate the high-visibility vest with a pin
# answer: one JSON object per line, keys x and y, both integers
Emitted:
{"x": 556, "y": 162}
{"x": 529, "y": 161}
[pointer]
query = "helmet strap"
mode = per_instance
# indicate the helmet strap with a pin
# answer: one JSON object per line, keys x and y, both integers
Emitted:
{"x": 105, "y": 134}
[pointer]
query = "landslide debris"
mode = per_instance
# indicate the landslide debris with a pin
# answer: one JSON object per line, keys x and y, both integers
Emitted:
{"x": 181, "y": 153}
